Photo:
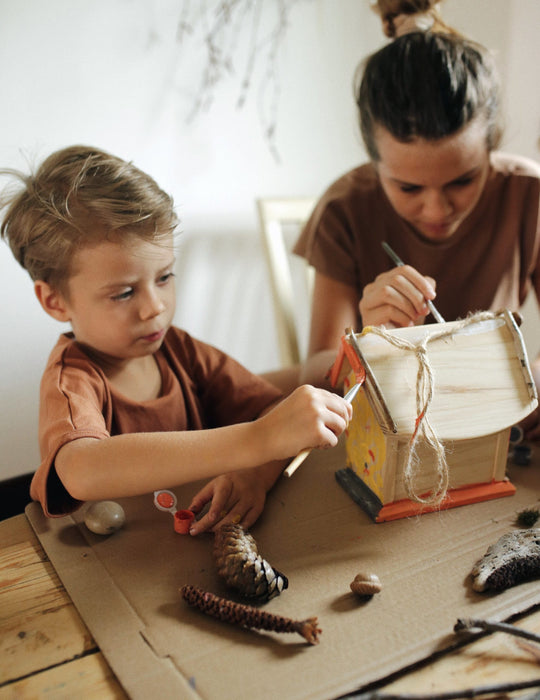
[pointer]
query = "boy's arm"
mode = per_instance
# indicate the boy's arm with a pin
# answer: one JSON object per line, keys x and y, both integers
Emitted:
{"x": 138, "y": 463}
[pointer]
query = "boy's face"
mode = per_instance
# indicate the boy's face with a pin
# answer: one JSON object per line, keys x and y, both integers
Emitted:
{"x": 122, "y": 297}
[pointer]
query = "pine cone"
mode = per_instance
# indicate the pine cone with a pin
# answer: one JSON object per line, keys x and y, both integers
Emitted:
{"x": 240, "y": 564}
{"x": 248, "y": 616}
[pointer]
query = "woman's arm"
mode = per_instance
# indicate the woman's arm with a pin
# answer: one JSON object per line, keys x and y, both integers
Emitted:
{"x": 334, "y": 308}
{"x": 285, "y": 379}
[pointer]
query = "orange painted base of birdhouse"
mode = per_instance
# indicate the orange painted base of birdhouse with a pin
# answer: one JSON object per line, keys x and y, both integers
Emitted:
{"x": 454, "y": 498}
{"x": 405, "y": 508}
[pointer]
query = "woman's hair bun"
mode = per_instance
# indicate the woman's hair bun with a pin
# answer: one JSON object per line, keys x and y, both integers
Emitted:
{"x": 401, "y": 17}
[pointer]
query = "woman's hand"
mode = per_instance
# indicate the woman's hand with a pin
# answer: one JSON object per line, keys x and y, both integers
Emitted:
{"x": 397, "y": 298}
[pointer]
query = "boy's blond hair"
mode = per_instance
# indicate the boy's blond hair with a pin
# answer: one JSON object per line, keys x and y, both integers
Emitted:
{"x": 80, "y": 196}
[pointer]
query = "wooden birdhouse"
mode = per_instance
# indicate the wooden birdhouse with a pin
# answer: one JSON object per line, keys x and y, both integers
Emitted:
{"x": 431, "y": 424}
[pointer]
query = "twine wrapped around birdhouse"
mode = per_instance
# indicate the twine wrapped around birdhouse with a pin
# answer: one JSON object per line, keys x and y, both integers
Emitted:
{"x": 425, "y": 387}
{"x": 240, "y": 564}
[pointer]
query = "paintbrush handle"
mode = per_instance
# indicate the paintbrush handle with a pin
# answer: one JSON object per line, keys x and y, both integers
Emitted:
{"x": 297, "y": 461}
{"x": 436, "y": 315}
{"x": 399, "y": 263}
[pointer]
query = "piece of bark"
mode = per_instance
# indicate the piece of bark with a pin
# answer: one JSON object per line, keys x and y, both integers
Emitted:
{"x": 513, "y": 559}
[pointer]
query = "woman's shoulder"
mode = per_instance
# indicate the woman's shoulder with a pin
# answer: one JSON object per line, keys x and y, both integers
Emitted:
{"x": 508, "y": 165}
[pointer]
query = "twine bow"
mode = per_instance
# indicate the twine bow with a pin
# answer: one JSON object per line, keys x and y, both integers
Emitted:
{"x": 425, "y": 388}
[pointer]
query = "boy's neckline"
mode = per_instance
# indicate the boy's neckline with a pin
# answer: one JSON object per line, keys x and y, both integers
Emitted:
{"x": 139, "y": 380}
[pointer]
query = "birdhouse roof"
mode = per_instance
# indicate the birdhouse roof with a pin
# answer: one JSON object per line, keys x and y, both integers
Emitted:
{"x": 477, "y": 371}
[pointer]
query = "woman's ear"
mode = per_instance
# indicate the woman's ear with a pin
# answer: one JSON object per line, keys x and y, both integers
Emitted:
{"x": 52, "y": 301}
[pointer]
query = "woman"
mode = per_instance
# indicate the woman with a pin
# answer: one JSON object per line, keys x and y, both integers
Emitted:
{"x": 464, "y": 217}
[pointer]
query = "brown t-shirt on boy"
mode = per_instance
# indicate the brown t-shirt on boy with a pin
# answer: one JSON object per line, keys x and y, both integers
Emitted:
{"x": 202, "y": 388}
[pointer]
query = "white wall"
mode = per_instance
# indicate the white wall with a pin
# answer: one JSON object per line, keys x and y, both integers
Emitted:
{"x": 111, "y": 73}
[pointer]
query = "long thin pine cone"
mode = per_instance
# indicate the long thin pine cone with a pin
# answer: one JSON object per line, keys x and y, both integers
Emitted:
{"x": 240, "y": 564}
{"x": 247, "y": 615}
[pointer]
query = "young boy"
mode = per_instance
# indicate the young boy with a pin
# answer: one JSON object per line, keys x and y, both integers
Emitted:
{"x": 129, "y": 403}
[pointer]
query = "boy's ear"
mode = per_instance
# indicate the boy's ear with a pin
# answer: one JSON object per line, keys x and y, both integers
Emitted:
{"x": 52, "y": 301}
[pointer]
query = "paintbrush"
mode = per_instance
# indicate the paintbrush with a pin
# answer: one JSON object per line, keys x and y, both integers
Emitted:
{"x": 300, "y": 457}
{"x": 399, "y": 262}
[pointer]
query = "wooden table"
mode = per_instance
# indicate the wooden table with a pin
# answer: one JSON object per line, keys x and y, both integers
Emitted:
{"x": 47, "y": 651}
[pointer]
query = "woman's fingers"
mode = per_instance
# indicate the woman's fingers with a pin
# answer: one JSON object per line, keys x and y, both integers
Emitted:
{"x": 397, "y": 297}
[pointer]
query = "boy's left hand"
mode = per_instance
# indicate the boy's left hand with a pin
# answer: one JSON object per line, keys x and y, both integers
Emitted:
{"x": 236, "y": 497}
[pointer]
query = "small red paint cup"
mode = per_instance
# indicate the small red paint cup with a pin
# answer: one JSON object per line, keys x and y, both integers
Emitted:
{"x": 183, "y": 520}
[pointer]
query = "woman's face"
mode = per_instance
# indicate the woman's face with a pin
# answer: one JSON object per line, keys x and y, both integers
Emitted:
{"x": 434, "y": 185}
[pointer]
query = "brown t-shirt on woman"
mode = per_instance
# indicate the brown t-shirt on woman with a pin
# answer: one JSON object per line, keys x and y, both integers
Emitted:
{"x": 490, "y": 263}
{"x": 202, "y": 387}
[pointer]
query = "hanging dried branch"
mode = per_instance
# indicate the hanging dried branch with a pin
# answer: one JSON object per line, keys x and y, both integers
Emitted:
{"x": 219, "y": 26}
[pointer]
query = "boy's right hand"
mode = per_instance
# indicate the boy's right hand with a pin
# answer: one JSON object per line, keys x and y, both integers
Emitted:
{"x": 307, "y": 418}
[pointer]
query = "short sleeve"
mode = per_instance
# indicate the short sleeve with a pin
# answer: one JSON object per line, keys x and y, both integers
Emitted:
{"x": 74, "y": 404}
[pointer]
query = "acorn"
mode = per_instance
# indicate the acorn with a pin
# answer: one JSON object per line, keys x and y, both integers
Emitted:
{"x": 366, "y": 584}
{"x": 241, "y": 566}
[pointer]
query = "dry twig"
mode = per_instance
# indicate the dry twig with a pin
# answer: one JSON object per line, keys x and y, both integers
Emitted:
{"x": 461, "y": 625}
{"x": 471, "y": 624}
{"x": 452, "y": 694}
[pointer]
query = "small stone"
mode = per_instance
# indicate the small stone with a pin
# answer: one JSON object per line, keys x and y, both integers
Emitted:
{"x": 104, "y": 517}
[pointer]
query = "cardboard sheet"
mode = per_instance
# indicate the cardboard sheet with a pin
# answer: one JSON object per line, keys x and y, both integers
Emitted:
{"x": 126, "y": 588}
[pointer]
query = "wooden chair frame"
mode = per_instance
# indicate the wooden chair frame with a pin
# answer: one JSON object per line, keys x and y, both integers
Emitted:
{"x": 274, "y": 214}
